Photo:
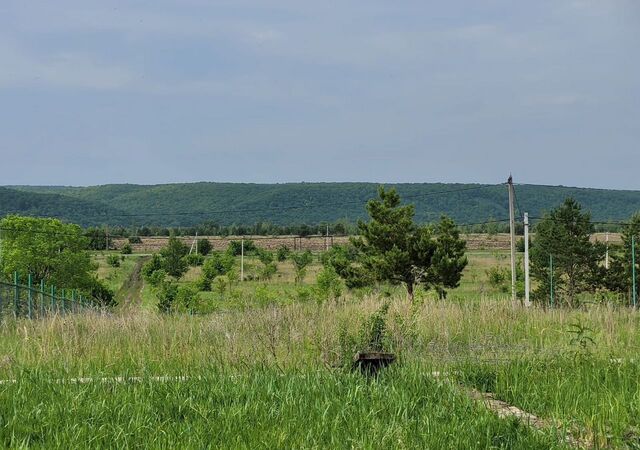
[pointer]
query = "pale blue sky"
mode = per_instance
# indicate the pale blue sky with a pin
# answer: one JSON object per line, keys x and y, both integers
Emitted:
{"x": 156, "y": 91}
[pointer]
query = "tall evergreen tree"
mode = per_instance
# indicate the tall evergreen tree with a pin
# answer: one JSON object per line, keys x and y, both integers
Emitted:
{"x": 393, "y": 248}
{"x": 564, "y": 234}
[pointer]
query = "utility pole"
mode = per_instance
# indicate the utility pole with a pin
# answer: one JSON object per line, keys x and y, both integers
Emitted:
{"x": 527, "y": 281}
{"x": 196, "y": 242}
{"x": 512, "y": 228}
{"x": 107, "y": 237}
{"x": 326, "y": 244}
{"x": 606, "y": 255}
{"x": 242, "y": 259}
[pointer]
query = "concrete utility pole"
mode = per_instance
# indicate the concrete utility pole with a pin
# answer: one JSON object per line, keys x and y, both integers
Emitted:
{"x": 527, "y": 281}
{"x": 242, "y": 259}
{"x": 326, "y": 245}
{"x": 512, "y": 227}
{"x": 606, "y": 255}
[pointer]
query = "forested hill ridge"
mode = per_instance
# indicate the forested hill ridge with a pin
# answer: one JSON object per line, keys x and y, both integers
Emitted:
{"x": 294, "y": 203}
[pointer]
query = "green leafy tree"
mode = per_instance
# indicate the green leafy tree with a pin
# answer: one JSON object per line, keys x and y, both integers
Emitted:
{"x": 204, "y": 247}
{"x": 126, "y": 249}
{"x": 300, "y": 263}
{"x": 47, "y": 249}
{"x": 269, "y": 267}
{"x": 173, "y": 257}
{"x": 282, "y": 253}
{"x": 391, "y": 247}
{"x": 235, "y": 247}
{"x": 564, "y": 233}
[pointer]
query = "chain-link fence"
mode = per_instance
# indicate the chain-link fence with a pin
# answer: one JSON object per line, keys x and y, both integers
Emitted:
{"x": 34, "y": 302}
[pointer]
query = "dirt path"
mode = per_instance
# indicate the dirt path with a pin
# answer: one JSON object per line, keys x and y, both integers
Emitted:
{"x": 130, "y": 294}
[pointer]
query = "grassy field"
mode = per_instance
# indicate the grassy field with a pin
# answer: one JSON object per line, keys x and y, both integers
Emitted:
{"x": 275, "y": 373}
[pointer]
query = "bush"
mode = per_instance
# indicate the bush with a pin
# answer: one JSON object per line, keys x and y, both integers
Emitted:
{"x": 151, "y": 266}
{"x": 166, "y": 296}
{"x": 282, "y": 253}
{"x": 126, "y": 249}
{"x": 195, "y": 260}
{"x": 235, "y": 247}
{"x": 218, "y": 264}
{"x": 186, "y": 299}
{"x": 203, "y": 284}
{"x": 204, "y": 247}
{"x": 300, "y": 263}
{"x": 100, "y": 294}
{"x": 113, "y": 260}
{"x": 268, "y": 271}
{"x": 173, "y": 260}
{"x": 328, "y": 284}
{"x": 157, "y": 277}
{"x": 135, "y": 240}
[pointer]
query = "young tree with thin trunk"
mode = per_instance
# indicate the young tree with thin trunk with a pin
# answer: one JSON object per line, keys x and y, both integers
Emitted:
{"x": 393, "y": 248}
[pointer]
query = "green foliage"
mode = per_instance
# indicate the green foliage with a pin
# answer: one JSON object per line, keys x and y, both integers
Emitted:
{"x": 151, "y": 266}
{"x": 126, "y": 249}
{"x": 204, "y": 247}
{"x": 97, "y": 238}
{"x": 113, "y": 260}
{"x": 173, "y": 257}
{"x": 195, "y": 259}
{"x": 100, "y": 293}
{"x": 300, "y": 262}
{"x": 328, "y": 284}
{"x": 343, "y": 259}
{"x": 167, "y": 294}
{"x": 135, "y": 240}
{"x": 218, "y": 264}
{"x": 582, "y": 341}
{"x": 282, "y": 253}
{"x": 90, "y": 205}
{"x": 269, "y": 267}
{"x": 235, "y": 247}
{"x": 186, "y": 299}
{"x": 47, "y": 249}
{"x": 564, "y": 233}
{"x": 157, "y": 277}
{"x": 393, "y": 248}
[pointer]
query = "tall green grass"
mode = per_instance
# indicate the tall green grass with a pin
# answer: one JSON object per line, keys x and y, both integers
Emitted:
{"x": 403, "y": 408}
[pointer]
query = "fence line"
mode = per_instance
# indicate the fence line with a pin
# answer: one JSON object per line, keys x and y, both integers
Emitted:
{"x": 39, "y": 301}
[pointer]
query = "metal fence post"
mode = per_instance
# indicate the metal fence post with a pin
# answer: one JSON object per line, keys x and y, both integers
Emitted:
{"x": 634, "y": 295}
{"x": 30, "y": 296}
{"x": 63, "y": 302}
{"x": 16, "y": 299}
{"x": 42, "y": 298}
{"x": 551, "y": 278}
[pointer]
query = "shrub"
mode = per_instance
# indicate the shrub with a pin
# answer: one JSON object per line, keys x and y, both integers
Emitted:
{"x": 135, "y": 240}
{"x": 282, "y": 253}
{"x": 126, "y": 249}
{"x": 328, "y": 284}
{"x": 235, "y": 247}
{"x": 204, "y": 247}
{"x": 300, "y": 263}
{"x": 166, "y": 296}
{"x": 157, "y": 277}
{"x": 151, "y": 266}
{"x": 268, "y": 271}
{"x": 186, "y": 299}
{"x": 218, "y": 264}
{"x": 203, "y": 284}
{"x": 100, "y": 293}
{"x": 195, "y": 260}
{"x": 113, "y": 260}
{"x": 173, "y": 260}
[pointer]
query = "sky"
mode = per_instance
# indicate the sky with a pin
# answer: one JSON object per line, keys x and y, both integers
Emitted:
{"x": 96, "y": 92}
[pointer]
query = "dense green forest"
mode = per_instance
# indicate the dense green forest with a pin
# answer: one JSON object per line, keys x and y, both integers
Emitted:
{"x": 171, "y": 205}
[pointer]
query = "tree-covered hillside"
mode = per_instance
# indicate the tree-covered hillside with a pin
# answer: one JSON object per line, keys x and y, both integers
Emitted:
{"x": 294, "y": 203}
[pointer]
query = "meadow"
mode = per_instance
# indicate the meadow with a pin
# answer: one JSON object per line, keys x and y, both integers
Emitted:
{"x": 268, "y": 367}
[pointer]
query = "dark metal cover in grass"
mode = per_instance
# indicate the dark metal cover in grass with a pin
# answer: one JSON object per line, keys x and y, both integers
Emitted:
{"x": 372, "y": 362}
